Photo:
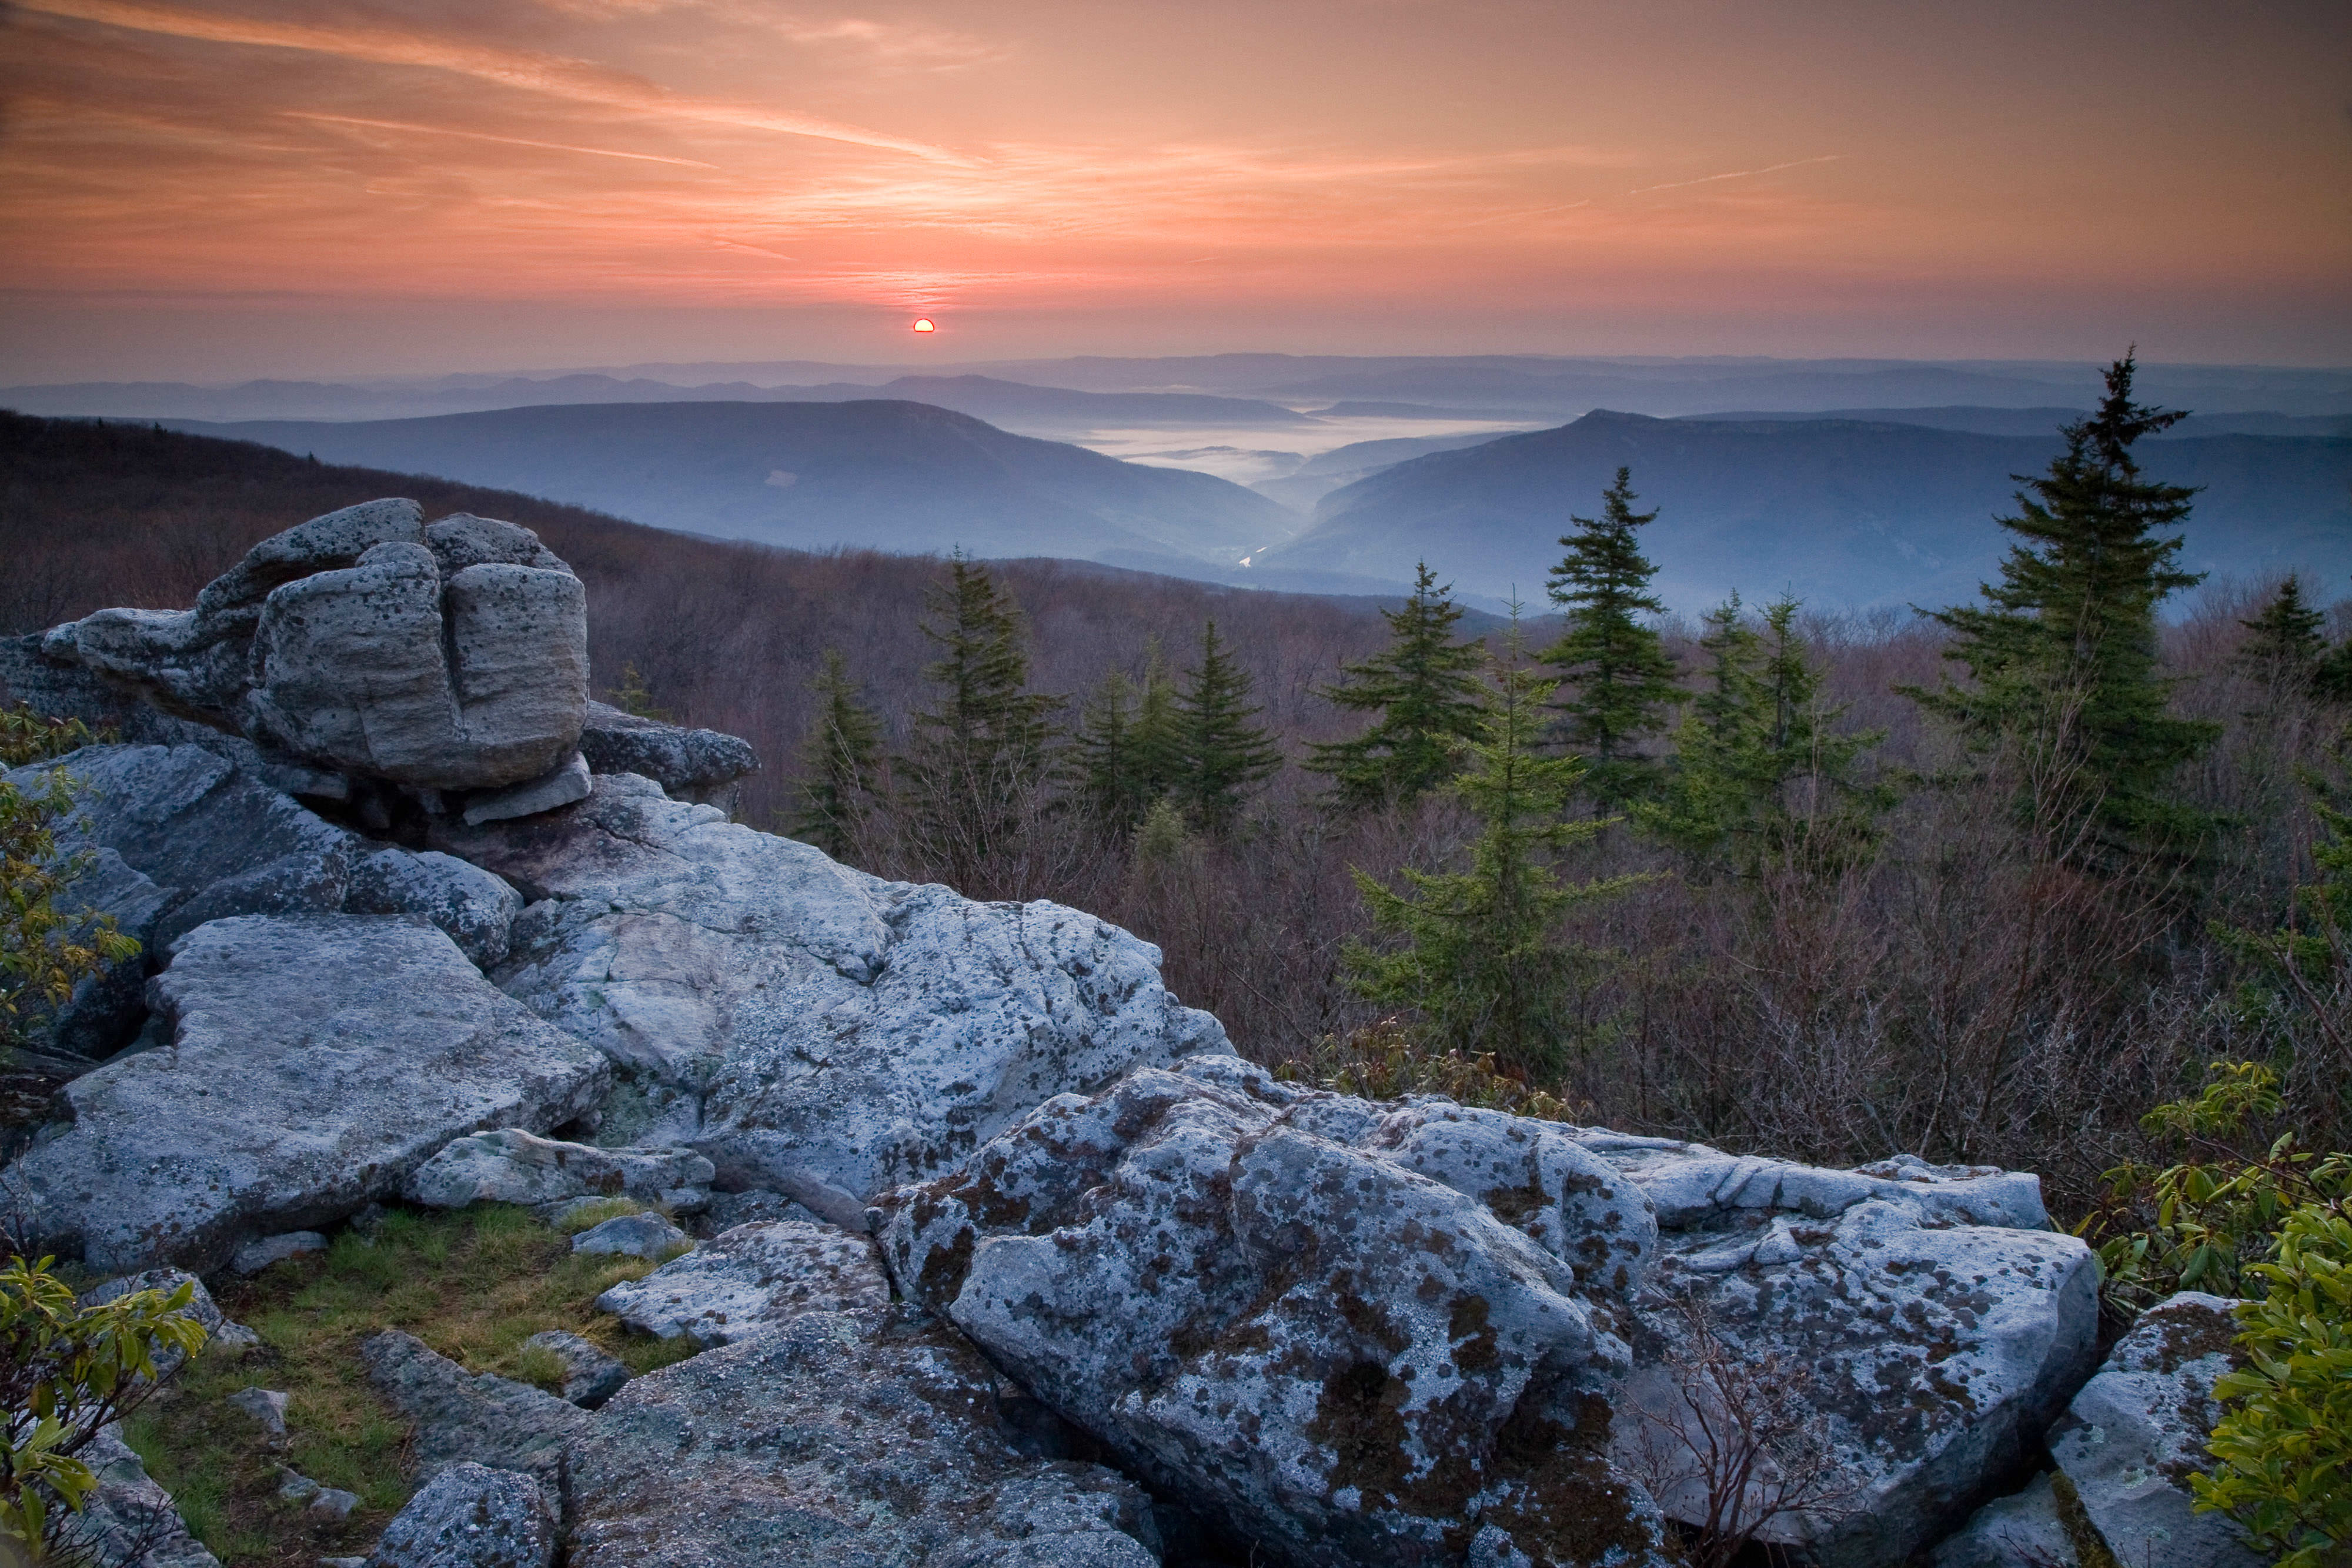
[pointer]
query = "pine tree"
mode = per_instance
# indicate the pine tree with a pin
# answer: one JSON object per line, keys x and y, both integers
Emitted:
{"x": 2064, "y": 655}
{"x": 632, "y": 697}
{"x": 839, "y": 757}
{"x": 2284, "y": 651}
{"x": 1757, "y": 771}
{"x": 1616, "y": 676}
{"x": 1113, "y": 772}
{"x": 1425, "y": 687}
{"x": 979, "y": 757}
{"x": 1481, "y": 964}
{"x": 1219, "y": 755}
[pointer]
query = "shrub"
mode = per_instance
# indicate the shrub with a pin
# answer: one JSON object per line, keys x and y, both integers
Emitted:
{"x": 44, "y": 950}
{"x": 66, "y": 1370}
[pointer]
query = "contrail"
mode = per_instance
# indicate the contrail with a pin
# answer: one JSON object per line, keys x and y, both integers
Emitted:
{"x": 1736, "y": 174}
{"x": 485, "y": 136}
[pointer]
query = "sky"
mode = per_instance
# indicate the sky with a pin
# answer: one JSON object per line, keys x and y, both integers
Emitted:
{"x": 216, "y": 189}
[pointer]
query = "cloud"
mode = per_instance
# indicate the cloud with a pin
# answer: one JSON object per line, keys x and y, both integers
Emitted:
{"x": 486, "y": 136}
{"x": 1736, "y": 174}
{"x": 576, "y": 80}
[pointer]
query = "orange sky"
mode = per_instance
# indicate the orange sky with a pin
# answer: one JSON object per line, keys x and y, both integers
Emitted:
{"x": 220, "y": 188}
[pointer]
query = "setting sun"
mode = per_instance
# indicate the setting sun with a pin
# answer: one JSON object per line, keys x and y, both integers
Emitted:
{"x": 923, "y": 324}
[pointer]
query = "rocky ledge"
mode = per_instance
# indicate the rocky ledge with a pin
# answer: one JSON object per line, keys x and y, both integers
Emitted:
{"x": 1006, "y": 1258}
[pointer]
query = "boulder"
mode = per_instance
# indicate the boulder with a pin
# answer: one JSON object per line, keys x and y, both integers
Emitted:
{"x": 752, "y": 1281}
{"x": 824, "y": 1033}
{"x": 315, "y": 1061}
{"x": 840, "y": 1441}
{"x": 697, "y": 765}
{"x": 184, "y": 835}
{"x": 513, "y": 1166}
{"x": 461, "y": 1416}
{"x": 366, "y": 645}
{"x": 129, "y": 1513}
{"x": 729, "y": 1209}
{"x": 1356, "y": 1333}
{"x": 567, "y": 782}
{"x": 471, "y": 1516}
{"x": 1916, "y": 1328}
{"x": 201, "y": 1307}
{"x": 2123, "y": 1454}
{"x": 265, "y": 1406}
{"x": 646, "y": 1236}
{"x": 255, "y": 1255}
{"x": 590, "y": 1377}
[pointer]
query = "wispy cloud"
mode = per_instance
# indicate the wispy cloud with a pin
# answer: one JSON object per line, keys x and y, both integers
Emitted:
{"x": 486, "y": 136}
{"x": 1736, "y": 174}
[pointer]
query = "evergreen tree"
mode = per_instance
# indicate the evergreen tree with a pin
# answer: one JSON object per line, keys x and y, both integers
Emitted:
{"x": 839, "y": 757}
{"x": 1757, "y": 769}
{"x": 632, "y": 697}
{"x": 1481, "y": 963}
{"x": 1115, "y": 773}
{"x": 2284, "y": 650}
{"x": 1219, "y": 755}
{"x": 1615, "y": 674}
{"x": 980, "y": 757}
{"x": 2062, "y": 656}
{"x": 1157, "y": 725}
{"x": 1425, "y": 686}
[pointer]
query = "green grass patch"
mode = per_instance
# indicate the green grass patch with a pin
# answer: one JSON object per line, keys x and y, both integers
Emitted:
{"x": 594, "y": 1212}
{"x": 473, "y": 1285}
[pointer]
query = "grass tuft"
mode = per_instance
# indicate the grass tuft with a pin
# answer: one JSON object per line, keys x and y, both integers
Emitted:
{"x": 588, "y": 1215}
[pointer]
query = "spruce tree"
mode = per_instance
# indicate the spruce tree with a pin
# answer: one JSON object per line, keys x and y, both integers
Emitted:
{"x": 1758, "y": 771}
{"x": 2063, "y": 655}
{"x": 2284, "y": 651}
{"x": 1616, "y": 677}
{"x": 1114, "y": 767}
{"x": 839, "y": 757}
{"x": 1220, "y": 756}
{"x": 1481, "y": 965}
{"x": 979, "y": 757}
{"x": 1425, "y": 686}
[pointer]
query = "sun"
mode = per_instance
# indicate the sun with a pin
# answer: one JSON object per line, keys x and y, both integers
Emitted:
{"x": 924, "y": 324}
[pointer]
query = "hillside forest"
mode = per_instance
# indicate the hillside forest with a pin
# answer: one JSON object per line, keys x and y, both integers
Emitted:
{"x": 1984, "y": 882}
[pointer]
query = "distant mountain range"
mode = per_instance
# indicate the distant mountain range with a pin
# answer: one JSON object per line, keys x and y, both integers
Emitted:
{"x": 877, "y": 475}
{"x": 1841, "y": 512}
{"x": 2042, "y": 421}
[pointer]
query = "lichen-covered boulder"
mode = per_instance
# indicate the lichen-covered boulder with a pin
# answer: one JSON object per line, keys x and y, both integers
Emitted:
{"x": 471, "y": 1417}
{"x": 368, "y": 645}
{"x": 815, "y": 1031}
{"x": 129, "y": 1518}
{"x": 840, "y": 1440}
{"x": 2123, "y": 1455}
{"x": 1355, "y": 1333}
{"x": 315, "y": 1061}
{"x": 514, "y": 1166}
{"x": 471, "y": 1516}
{"x": 702, "y": 766}
{"x": 752, "y": 1281}
{"x": 1927, "y": 1322}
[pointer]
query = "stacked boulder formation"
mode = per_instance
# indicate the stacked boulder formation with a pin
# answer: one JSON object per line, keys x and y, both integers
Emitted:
{"x": 1005, "y": 1257}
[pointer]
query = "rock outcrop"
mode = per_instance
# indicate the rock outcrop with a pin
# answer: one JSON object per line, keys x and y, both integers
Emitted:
{"x": 1926, "y": 1324}
{"x": 129, "y": 1513}
{"x": 471, "y": 1516}
{"x": 752, "y": 1281}
{"x": 700, "y": 765}
{"x": 2123, "y": 1455}
{"x": 462, "y": 1417}
{"x": 1357, "y": 1333}
{"x": 512, "y": 1165}
{"x": 315, "y": 1061}
{"x": 869, "y": 1437}
{"x": 815, "y": 1031}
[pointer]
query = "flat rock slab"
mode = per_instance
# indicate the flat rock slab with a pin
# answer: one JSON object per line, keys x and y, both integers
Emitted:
{"x": 752, "y": 1281}
{"x": 2127, "y": 1445}
{"x": 462, "y": 1415}
{"x": 1930, "y": 1329}
{"x": 862, "y": 1439}
{"x": 1353, "y": 1334}
{"x": 514, "y": 1166}
{"x": 837, "y": 1034}
{"x": 315, "y": 1062}
{"x": 471, "y": 1516}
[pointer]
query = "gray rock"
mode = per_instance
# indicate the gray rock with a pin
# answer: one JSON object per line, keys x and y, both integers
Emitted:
{"x": 701, "y": 766}
{"x": 512, "y": 1165}
{"x": 841, "y": 1034}
{"x": 471, "y": 1516}
{"x": 1345, "y": 1359}
{"x": 335, "y": 1503}
{"x": 567, "y": 783}
{"x": 184, "y": 835}
{"x": 460, "y": 1415}
{"x": 129, "y": 1510}
{"x": 1923, "y": 1344}
{"x": 255, "y": 1255}
{"x": 729, "y": 1209}
{"x": 841, "y": 1440}
{"x": 201, "y": 1308}
{"x": 2126, "y": 1446}
{"x": 316, "y": 1062}
{"x": 591, "y": 1377}
{"x": 295, "y": 1487}
{"x": 750, "y": 1280}
{"x": 265, "y": 1406}
{"x": 364, "y": 645}
{"x": 647, "y": 1236}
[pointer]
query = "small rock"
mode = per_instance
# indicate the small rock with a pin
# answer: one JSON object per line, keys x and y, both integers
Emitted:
{"x": 752, "y": 1281}
{"x": 218, "y": 1329}
{"x": 471, "y": 1516}
{"x": 590, "y": 1377}
{"x": 332, "y": 1502}
{"x": 297, "y": 1487}
{"x": 267, "y": 1406}
{"x": 255, "y": 1255}
{"x": 647, "y": 1236}
{"x": 561, "y": 786}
